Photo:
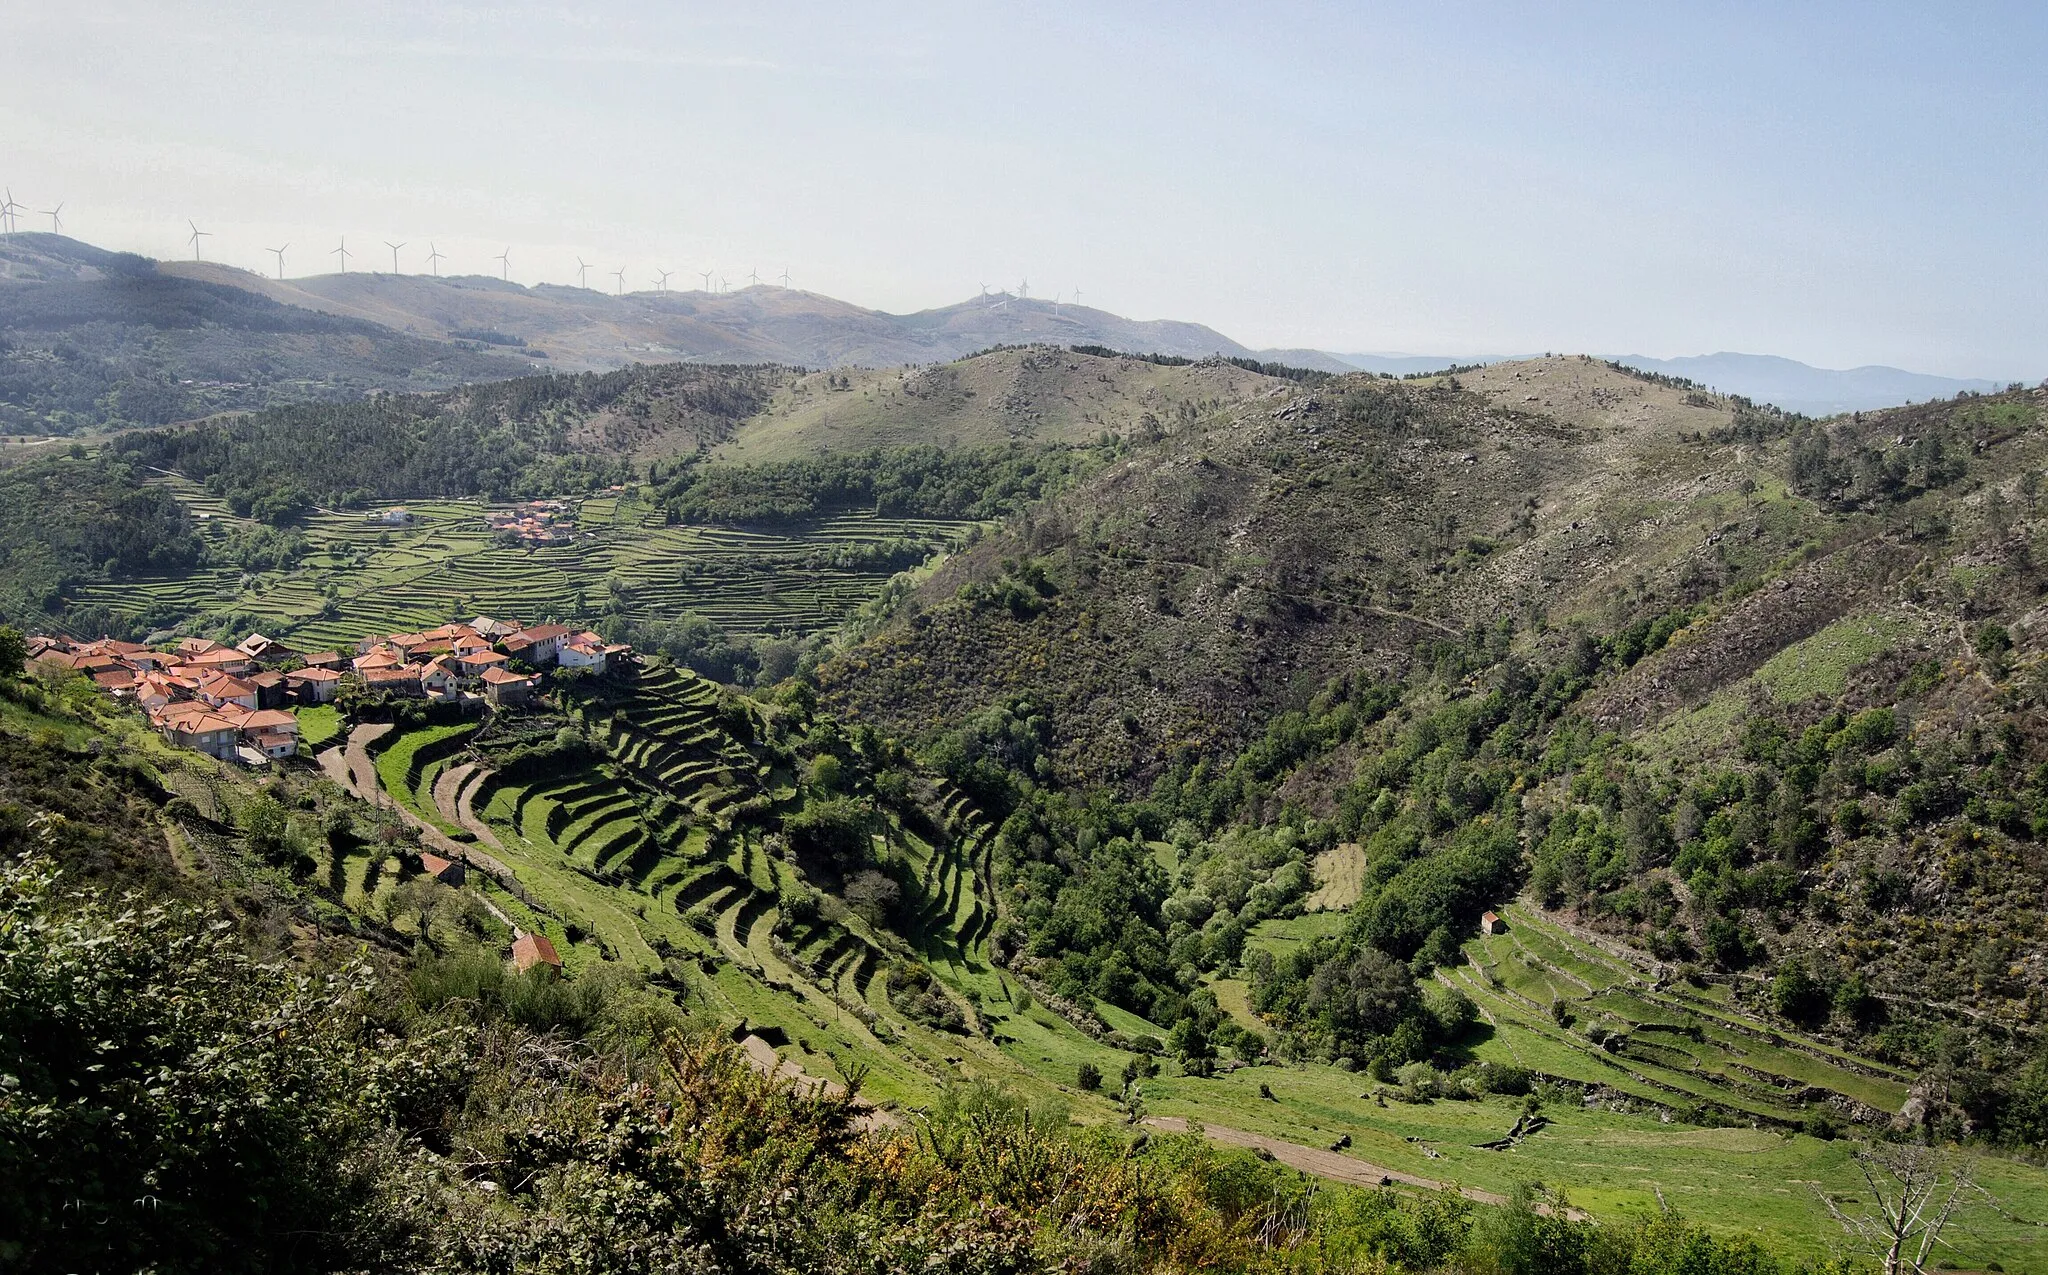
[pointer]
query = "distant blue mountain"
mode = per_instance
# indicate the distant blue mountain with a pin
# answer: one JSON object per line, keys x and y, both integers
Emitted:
{"x": 1815, "y": 391}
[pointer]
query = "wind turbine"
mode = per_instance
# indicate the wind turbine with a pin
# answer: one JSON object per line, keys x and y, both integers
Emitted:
{"x": 582, "y": 273}
{"x": 197, "y": 233}
{"x": 620, "y": 273}
{"x": 343, "y": 253}
{"x": 56, "y": 226}
{"x": 753, "y": 277}
{"x": 504, "y": 260}
{"x": 707, "y": 279}
{"x": 279, "y": 254}
{"x": 785, "y": 276}
{"x": 984, "y": 292}
{"x": 1077, "y": 296}
{"x": 721, "y": 283}
{"x": 1024, "y": 290}
{"x": 660, "y": 279}
{"x": 434, "y": 256}
{"x": 8, "y": 208}
{"x": 394, "y": 254}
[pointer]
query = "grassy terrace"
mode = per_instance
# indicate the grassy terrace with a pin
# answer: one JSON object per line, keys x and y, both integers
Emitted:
{"x": 656, "y": 853}
{"x": 362, "y": 575}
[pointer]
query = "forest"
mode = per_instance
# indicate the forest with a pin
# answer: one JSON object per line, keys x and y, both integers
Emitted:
{"x": 911, "y": 482}
{"x": 67, "y": 517}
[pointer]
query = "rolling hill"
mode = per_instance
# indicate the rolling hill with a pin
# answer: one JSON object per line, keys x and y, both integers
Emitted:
{"x": 90, "y": 338}
{"x": 583, "y": 328}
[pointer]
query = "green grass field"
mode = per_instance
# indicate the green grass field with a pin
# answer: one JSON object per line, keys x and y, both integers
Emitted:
{"x": 319, "y": 725}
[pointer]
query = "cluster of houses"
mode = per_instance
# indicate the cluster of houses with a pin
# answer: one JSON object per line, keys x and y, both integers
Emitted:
{"x": 231, "y": 702}
{"x": 537, "y": 522}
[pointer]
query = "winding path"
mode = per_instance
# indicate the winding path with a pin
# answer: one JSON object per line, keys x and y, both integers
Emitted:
{"x": 1334, "y": 1165}
{"x": 466, "y": 817}
{"x": 353, "y": 768}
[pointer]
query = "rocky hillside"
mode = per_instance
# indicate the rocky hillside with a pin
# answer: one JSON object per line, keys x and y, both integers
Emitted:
{"x": 1261, "y": 549}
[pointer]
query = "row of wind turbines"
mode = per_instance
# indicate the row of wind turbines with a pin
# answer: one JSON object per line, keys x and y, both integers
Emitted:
{"x": 10, "y": 221}
{"x": 434, "y": 257}
{"x": 10, "y": 215}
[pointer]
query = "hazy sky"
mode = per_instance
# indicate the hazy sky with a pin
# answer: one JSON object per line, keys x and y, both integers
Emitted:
{"x": 1837, "y": 183}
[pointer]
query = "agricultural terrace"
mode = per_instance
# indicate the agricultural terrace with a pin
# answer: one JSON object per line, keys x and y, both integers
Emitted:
{"x": 361, "y": 574}
{"x": 660, "y": 846}
{"x": 663, "y": 846}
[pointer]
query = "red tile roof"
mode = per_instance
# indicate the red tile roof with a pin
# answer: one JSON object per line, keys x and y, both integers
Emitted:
{"x": 529, "y": 950}
{"x": 437, "y": 867}
{"x": 218, "y": 658}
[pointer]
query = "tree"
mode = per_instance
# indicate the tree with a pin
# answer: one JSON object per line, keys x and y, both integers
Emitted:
{"x": 13, "y": 652}
{"x": 876, "y": 897}
{"x": 1915, "y": 1192}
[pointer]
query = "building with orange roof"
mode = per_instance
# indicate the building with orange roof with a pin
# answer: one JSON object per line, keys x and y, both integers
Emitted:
{"x": 313, "y": 685}
{"x": 199, "y": 728}
{"x": 505, "y": 689}
{"x": 534, "y": 950}
{"x": 446, "y": 871}
{"x": 224, "y": 660}
{"x": 474, "y": 663}
{"x": 221, "y": 688}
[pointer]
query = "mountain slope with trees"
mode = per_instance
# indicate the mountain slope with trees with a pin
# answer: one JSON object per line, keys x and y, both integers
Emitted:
{"x": 1752, "y": 694}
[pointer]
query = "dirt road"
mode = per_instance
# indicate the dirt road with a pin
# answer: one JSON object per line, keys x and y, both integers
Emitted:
{"x": 354, "y": 769}
{"x": 1334, "y": 1165}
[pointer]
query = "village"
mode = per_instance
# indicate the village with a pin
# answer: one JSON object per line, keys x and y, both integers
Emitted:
{"x": 234, "y": 702}
{"x": 537, "y": 523}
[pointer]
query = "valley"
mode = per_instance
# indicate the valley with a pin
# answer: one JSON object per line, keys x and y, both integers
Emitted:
{"x": 1544, "y": 773}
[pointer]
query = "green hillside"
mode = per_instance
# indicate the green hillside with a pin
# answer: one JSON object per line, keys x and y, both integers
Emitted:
{"x": 1169, "y": 792}
{"x": 1039, "y": 394}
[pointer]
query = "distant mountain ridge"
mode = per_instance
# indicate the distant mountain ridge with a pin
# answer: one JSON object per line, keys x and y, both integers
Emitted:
{"x": 583, "y": 329}
{"x": 339, "y": 335}
{"x": 91, "y": 339}
{"x": 1815, "y": 391}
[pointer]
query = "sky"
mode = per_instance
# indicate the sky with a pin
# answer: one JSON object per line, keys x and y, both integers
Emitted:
{"x": 1840, "y": 184}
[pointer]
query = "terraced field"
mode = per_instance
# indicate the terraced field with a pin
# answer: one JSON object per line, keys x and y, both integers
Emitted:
{"x": 657, "y": 851}
{"x": 1567, "y": 1008}
{"x": 363, "y": 575}
{"x": 660, "y": 851}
